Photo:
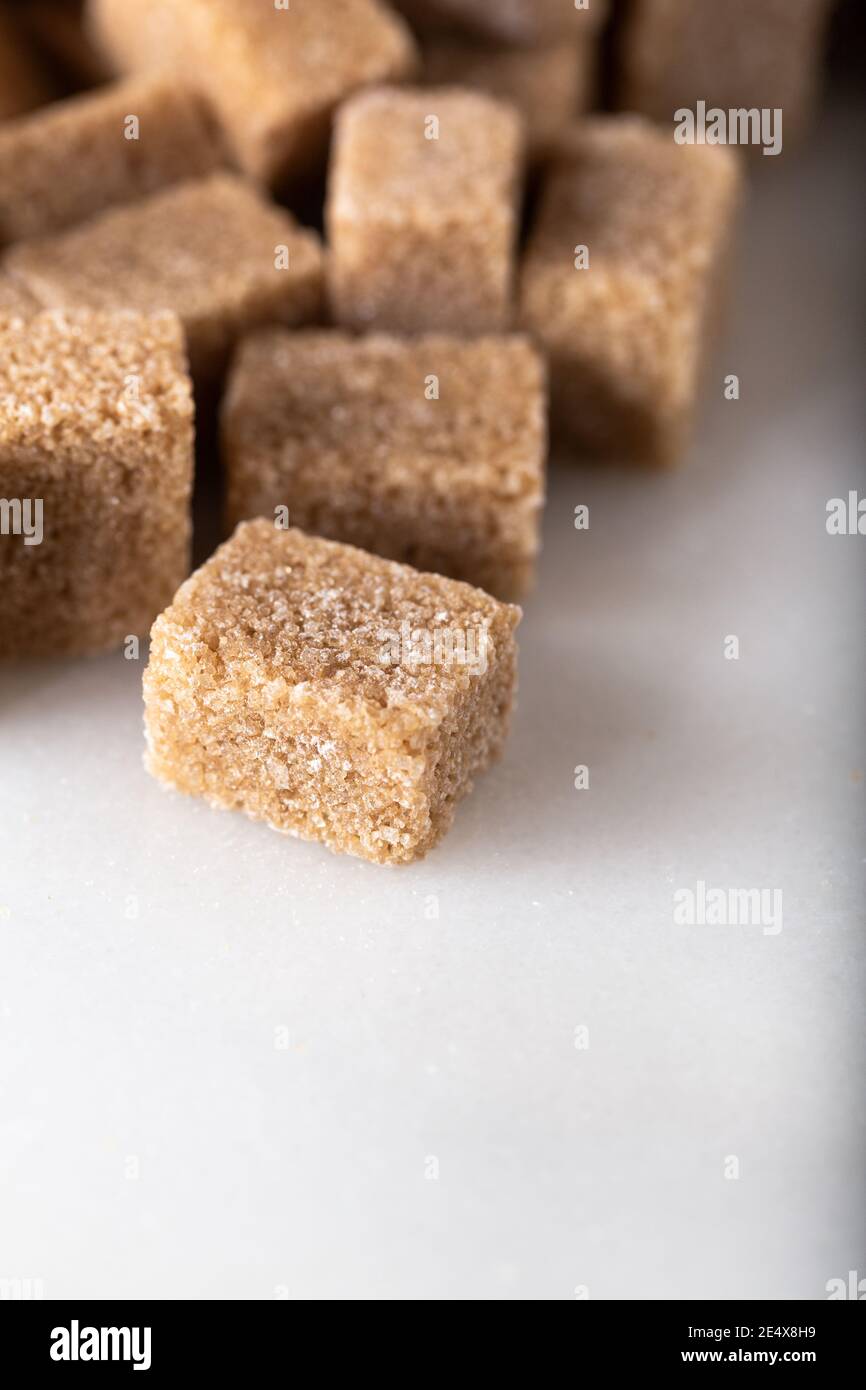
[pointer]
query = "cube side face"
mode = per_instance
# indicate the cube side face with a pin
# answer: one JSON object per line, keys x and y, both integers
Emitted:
{"x": 100, "y": 571}
{"x": 348, "y": 783}
{"x": 235, "y": 715}
{"x": 626, "y": 331}
{"x": 210, "y": 250}
{"x": 623, "y": 362}
{"x": 73, "y": 159}
{"x": 402, "y": 278}
{"x": 611, "y": 417}
{"x": 275, "y": 75}
{"x": 429, "y": 451}
{"x": 100, "y": 532}
{"x": 422, "y": 212}
{"x": 218, "y": 729}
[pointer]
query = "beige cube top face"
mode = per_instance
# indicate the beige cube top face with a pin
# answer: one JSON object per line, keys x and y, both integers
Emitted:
{"x": 422, "y": 211}
{"x": 96, "y": 450}
{"x": 72, "y": 159}
{"x": 274, "y": 73}
{"x": 430, "y": 450}
{"x": 549, "y": 84}
{"x": 620, "y": 276}
{"x": 212, "y": 250}
{"x": 290, "y": 678}
{"x": 728, "y": 53}
{"x": 314, "y": 612}
{"x": 414, "y": 156}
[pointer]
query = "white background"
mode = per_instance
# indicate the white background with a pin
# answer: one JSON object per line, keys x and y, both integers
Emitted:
{"x": 152, "y": 1036}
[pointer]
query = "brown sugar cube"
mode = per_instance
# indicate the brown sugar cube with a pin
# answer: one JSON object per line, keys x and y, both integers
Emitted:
{"x": 549, "y": 85}
{"x": 274, "y": 73}
{"x": 511, "y": 21}
{"x": 427, "y": 450}
{"x": 731, "y": 54}
{"x": 23, "y": 83}
{"x": 337, "y": 696}
{"x": 621, "y": 278}
{"x": 422, "y": 211}
{"x": 96, "y": 459}
{"x": 74, "y": 158}
{"x": 212, "y": 250}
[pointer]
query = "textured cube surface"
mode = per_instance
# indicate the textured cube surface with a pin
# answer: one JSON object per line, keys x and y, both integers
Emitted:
{"x": 427, "y": 450}
{"x": 625, "y": 335}
{"x": 207, "y": 249}
{"x": 289, "y": 679}
{"x": 23, "y": 83}
{"x": 96, "y": 426}
{"x": 274, "y": 74}
{"x": 422, "y": 211}
{"x": 549, "y": 85}
{"x": 728, "y": 53}
{"x": 72, "y": 159}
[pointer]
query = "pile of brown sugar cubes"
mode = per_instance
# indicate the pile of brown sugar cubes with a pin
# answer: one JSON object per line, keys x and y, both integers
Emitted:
{"x": 385, "y": 385}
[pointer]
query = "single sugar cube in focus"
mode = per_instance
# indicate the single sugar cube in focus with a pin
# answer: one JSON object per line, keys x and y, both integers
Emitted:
{"x": 422, "y": 211}
{"x": 213, "y": 250}
{"x": 74, "y": 158}
{"x": 274, "y": 72}
{"x": 335, "y": 695}
{"x": 622, "y": 281}
{"x": 96, "y": 465}
{"x": 427, "y": 450}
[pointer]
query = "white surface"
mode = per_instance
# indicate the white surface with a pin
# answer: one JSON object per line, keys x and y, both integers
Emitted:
{"x": 153, "y": 1035}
